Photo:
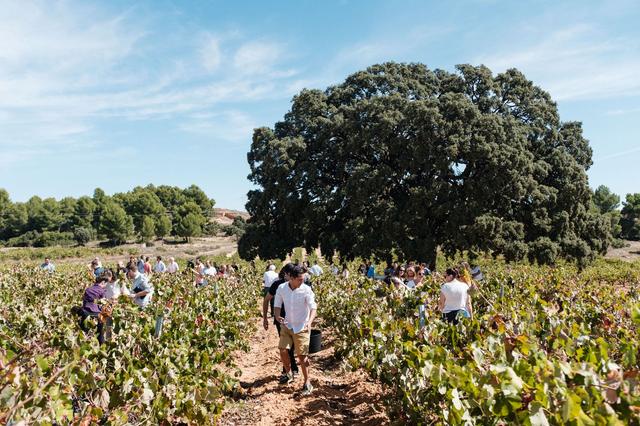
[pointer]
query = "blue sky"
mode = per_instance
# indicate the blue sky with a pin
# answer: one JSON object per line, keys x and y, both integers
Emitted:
{"x": 116, "y": 94}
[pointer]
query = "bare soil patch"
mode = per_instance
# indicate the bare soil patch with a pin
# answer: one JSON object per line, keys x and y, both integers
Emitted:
{"x": 202, "y": 246}
{"x": 339, "y": 397}
{"x": 629, "y": 253}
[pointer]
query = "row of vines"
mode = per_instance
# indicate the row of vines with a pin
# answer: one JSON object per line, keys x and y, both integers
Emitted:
{"x": 547, "y": 345}
{"x": 51, "y": 373}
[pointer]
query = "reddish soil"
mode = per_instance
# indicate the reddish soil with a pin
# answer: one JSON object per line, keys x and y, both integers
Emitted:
{"x": 338, "y": 398}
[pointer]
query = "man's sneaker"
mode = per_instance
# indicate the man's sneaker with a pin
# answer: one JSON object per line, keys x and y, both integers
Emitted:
{"x": 286, "y": 378}
{"x": 306, "y": 389}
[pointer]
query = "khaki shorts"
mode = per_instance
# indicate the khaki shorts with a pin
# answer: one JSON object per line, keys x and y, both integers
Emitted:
{"x": 300, "y": 341}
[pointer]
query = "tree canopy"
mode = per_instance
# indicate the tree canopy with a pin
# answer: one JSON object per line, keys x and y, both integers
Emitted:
{"x": 605, "y": 200}
{"x": 630, "y": 217}
{"x": 115, "y": 224}
{"x": 146, "y": 211}
{"x": 403, "y": 159}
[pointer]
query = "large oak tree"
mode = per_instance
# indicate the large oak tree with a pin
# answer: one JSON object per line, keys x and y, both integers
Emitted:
{"x": 402, "y": 159}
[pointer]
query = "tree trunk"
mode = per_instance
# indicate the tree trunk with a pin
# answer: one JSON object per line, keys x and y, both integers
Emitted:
{"x": 432, "y": 254}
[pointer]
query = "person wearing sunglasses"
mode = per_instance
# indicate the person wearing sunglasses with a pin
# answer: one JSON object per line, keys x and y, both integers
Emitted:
{"x": 400, "y": 272}
{"x": 419, "y": 278}
{"x": 411, "y": 278}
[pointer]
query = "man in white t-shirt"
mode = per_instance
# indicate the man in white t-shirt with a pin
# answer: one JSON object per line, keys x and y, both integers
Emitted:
{"x": 299, "y": 302}
{"x": 172, "y": 268}
{"x": 268, "y": 278}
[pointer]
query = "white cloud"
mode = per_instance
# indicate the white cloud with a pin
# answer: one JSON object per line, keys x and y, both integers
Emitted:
{"x": 578, "y": 62}
{"x": 211, "y": 54}
{"x": 623, "y": 111}
{"x": 35, "y": 34}
{"x": 257, "y": 57}
{"x": 16, "y": 156}
{"x": 383, "y": 47}
{"x": 624, "y": 153}
{"x": 64, "y": 66}
{"x": 231, "y": 126}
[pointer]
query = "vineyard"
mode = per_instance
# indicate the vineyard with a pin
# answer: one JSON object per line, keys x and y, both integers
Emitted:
{"x": 547, "y": 345}
{"x": 52, "y": 373}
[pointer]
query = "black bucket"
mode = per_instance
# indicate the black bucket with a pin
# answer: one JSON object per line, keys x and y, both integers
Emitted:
{"x": 315, "y": 341}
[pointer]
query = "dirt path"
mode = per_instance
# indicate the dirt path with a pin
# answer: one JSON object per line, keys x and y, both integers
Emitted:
{"x": 339, "y": 397}
{"x": 203, "y": 246}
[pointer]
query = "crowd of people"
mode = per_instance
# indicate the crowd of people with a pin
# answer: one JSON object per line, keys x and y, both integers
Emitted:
{"x": 288, "y": 294}
{"x": 206, "y": 271}
{"x": 460, "y": 283}
{"x": 109, "y": 284}
{"x": 132, "y": 279}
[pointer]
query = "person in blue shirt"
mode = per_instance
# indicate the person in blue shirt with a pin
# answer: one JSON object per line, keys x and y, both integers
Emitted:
{"x": 141, "y": 289}
{"x": 371, "y": 270}
{"x": 141, "y": 264}
{"x": 96, "y": 267}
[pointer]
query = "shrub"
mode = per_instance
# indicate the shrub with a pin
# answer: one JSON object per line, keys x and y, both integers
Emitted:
{"x": 24, "y": 240}
{"x": 83, "y": 235}
{"x": 53, "y": 238}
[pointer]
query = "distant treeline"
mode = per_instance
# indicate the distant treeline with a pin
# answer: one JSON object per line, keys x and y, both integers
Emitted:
{"x": 625, "y": 223}
{"x": 144, "y": 213}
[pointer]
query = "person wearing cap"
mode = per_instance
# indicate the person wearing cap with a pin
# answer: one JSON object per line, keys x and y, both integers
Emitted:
{"x": 299, "y": 301}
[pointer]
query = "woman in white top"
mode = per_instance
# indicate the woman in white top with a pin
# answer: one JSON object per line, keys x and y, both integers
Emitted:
{"x": 410, "y": 278}
{"x": 419, "y": 279}
{"x": 454, "y": 297}
{"x": 112, "y": 290}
